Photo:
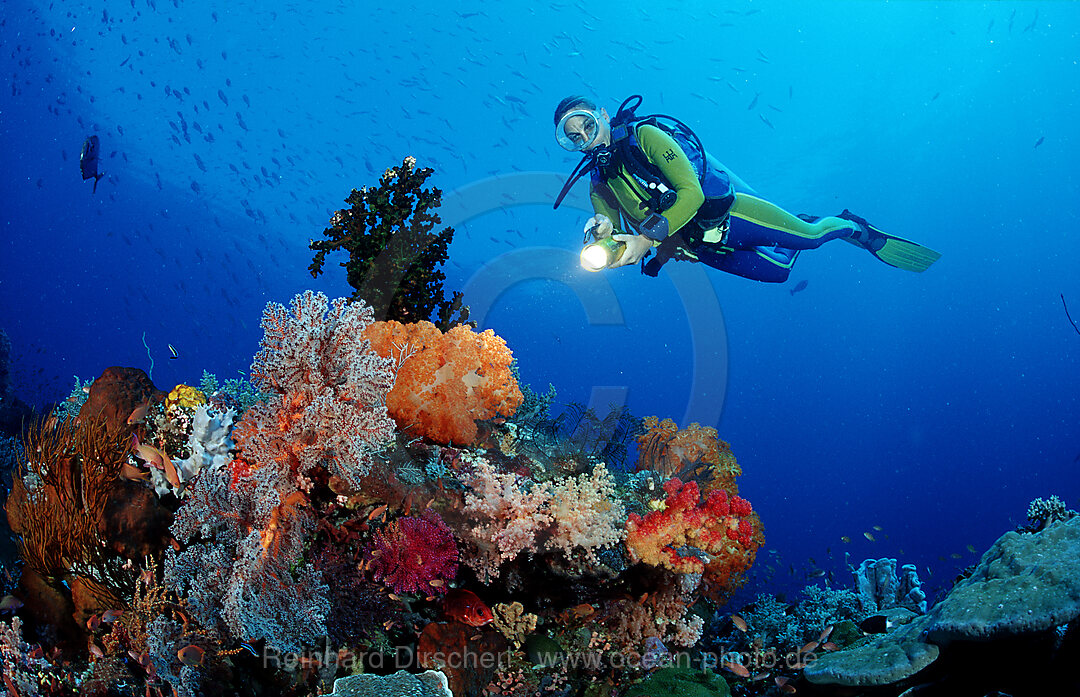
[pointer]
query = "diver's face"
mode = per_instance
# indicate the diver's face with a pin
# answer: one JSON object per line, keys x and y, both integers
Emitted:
{"x": 582, "y": 131}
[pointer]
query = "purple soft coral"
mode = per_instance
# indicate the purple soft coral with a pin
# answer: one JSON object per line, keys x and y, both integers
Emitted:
{"x": 414, "y": 555}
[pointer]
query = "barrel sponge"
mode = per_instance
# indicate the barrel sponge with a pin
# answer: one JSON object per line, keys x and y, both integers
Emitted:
{"x": 446, "y": 381}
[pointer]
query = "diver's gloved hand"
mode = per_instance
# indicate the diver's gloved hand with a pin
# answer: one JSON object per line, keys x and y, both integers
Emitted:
{"x": 637, "y": 246}
{"x": 603, "y": 225}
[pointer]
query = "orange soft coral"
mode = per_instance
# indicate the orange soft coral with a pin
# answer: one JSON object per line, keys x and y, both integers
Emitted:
{"x": 446, "y": 382}
{"x": 669, "y": 450}
{"x": 691, "y": 535}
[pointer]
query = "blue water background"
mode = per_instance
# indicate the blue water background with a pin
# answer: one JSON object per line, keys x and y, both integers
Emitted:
{"x": 935, "y": 406}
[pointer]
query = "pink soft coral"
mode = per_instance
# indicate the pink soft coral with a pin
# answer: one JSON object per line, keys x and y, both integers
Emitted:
{"x": 446, "y": 382}
{"x": 327, "y": 391}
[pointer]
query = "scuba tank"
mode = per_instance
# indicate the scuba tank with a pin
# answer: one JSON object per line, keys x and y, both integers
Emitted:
{"x": 624, "y": 150}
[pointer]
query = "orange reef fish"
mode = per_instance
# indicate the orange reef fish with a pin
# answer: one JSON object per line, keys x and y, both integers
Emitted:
{"x": 737, "y": 668}
{"x": 138, "y": 414}
{"x": 465, "y": 606}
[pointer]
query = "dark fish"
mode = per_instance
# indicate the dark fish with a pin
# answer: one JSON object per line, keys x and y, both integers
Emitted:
{"x": 753, "y": 102}
{"x": 1040, "y": 141}
{"x": 801, "y": 285}
{"x": 88, "y": 160}
{"x": 875, "y": 624}
{"x": 766, "y": 121}
{"x": 1032, "y": 25}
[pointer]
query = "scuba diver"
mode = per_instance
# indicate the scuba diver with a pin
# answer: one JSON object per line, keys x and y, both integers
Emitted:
{"x": 674, "y": 199}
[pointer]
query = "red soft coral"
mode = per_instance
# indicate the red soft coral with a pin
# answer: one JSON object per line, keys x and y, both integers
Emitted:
{"x": 687, "y": 535}
{"x": 446, "y": 382}
{"x": 414, "y": 555}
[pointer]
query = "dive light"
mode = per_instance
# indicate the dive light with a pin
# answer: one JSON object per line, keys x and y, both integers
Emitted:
{"x": 602, "y": 253}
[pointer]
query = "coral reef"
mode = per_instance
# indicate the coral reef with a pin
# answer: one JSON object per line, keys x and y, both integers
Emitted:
{"x": 1013, "y": 613}
{"x": 885, "y": 659}
{"x": 209, "y": 444}
{"x": 685, "y": 682}
{"x": 239, "y": 395}
{"x": 70, "y": 407}
{"x": 583, "y": 436}
{"x": 116, "y": 393}
{"x": 315, "y": 523}
{"x": 76, "y": 520}
{"x": 1024, "y": 583}
{"x": 394, "y": 257}
{"x": 511, "y": 514}
{"x": 430, "y": 683}
{"x": 330, "y": 390}
{"x": 446, "y": 382}
{"x": 786, "y": 628}
{"x": 247, "y": 524}
{"x": 514, "y": 623}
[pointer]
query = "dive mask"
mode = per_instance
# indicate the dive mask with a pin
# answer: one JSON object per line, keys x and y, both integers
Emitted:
{"x": 578, "y": 130}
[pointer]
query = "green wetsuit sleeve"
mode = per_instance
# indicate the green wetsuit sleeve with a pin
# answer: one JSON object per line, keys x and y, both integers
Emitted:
{"x": 665, "y": 153}
{"x": 604, "y": 203}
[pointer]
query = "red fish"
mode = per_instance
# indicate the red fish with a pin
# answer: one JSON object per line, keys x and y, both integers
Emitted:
{"x": 465, "y": 606}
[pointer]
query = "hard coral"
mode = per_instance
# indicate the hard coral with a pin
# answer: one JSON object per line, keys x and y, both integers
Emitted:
{"x": 446, "y": 382}
{"x": 414, "y": 555}
{"x": 394, "y": 257}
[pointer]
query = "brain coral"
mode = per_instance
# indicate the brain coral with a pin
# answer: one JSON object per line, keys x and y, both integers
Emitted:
{"x": 446, "y": 382}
